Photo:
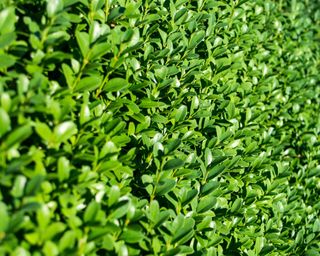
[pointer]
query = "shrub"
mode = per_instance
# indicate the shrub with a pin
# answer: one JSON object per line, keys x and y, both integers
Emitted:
{"x": 159, "y": 127}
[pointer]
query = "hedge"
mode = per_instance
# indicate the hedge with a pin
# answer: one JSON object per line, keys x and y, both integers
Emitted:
{"x": 159, "y": 127}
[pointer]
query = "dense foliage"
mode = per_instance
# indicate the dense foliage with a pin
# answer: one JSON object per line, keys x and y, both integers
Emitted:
{"x": 159, "y": 127}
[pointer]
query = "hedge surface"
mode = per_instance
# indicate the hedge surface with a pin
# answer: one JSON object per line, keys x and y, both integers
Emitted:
{"x": 159, "y": 127}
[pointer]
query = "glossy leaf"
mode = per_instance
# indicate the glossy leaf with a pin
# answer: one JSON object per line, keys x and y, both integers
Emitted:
{"x": 5, "y": 122}
{"x": 64, "y": 131}
{"x": 115, "y": 84}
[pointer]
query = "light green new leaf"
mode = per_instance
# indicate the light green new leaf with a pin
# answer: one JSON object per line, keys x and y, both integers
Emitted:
{"x": 64, "y": 131}
{"x": 54, "y": 6}
{"x": 113, "y": 195}
{"x": 44, "y": 131}
{"x": 7, "y": 20}
{"x": 63, "y": 168}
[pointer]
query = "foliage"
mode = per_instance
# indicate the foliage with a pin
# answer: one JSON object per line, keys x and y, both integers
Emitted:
{"x": 159, "y": 127}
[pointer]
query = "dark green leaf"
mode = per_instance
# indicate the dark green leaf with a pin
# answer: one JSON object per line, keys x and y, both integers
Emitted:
{"x": 173, "y": 164}
{"x": 206, "y": 203}
{"x": 164, "y": 186}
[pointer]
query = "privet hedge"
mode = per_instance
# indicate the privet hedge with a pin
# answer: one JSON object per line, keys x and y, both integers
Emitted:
{"x": 159, "y": 127}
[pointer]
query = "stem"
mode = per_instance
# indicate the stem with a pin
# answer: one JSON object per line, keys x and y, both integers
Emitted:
{"x": 46, "y": 31}
{"x": 84, "y": 64}
{"x": 106, "y": 78}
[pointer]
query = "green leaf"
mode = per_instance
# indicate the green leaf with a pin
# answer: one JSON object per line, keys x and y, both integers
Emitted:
{"x": 44, "y": 131}
{"x": 181, "y": 113}
{"x": 91, "y": 212}
{"x": 63, "y": 168}
{"x": 98, "y": 232}
{"x": 7, "y": 20}
{"x": 164, "y": 186}
{"x": 196, "y": 38}
{"x": 7, "y": 39}
{"x": 172, "y": 145}
{"x": 70, "y": 2}
{"x": 236, "y": 205}
{"x": 312, "y": 252}
{"x": 50, "y": 248}
{"x": 173, "y": 164}
{"x": 84, "y": 114}
{"x": 54, "y": 6}
{"x": 120, "y": 210}
{"x": 147, "y": 103}
{"x": 68, "y": 74}
{"x": 43, "y": 216}
{"x": 206, "y": 203}
{"x": 115, "y": 84}
{"x": 5, "y": 122}
{"x": 189, "y": 197}
{"x": 154, "y": 211}
{"x": 218, "y": 159}
{"x": 34, "y": 185}
{"x": 299, "y": 237}
{"x": 17, "y": 136}
{"x": 83, "y": 42}
{"x": 6, "y": 61}
{"x": 64, "y": 131}
{"x": 54, "y": 229}
{"x": 4, "y": 216}
{"x": 163, "y": 216}
{"x": 57, "y": 37}
{"x": 98, "y": 50}
{"x": 88, "y": 84}
{"x": 208, "y": 156}
{"x": 215, "y": 171}
{"x": 132, "y": 236}
{"x": 316, "y": 226}
{"x": 180, "y": 14}
{"x": 113, "y": 195}
{"x": 115, "y": 13}
{"x": 259, "y": 244}
{"x": 186, "y": 228}
{"x": 67, "y": 240}
{"x": 18, "y": 186}
{"x": 209, "y": 187}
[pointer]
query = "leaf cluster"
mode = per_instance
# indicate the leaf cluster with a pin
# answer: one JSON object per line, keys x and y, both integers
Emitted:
{"x": 159, "y": 127}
